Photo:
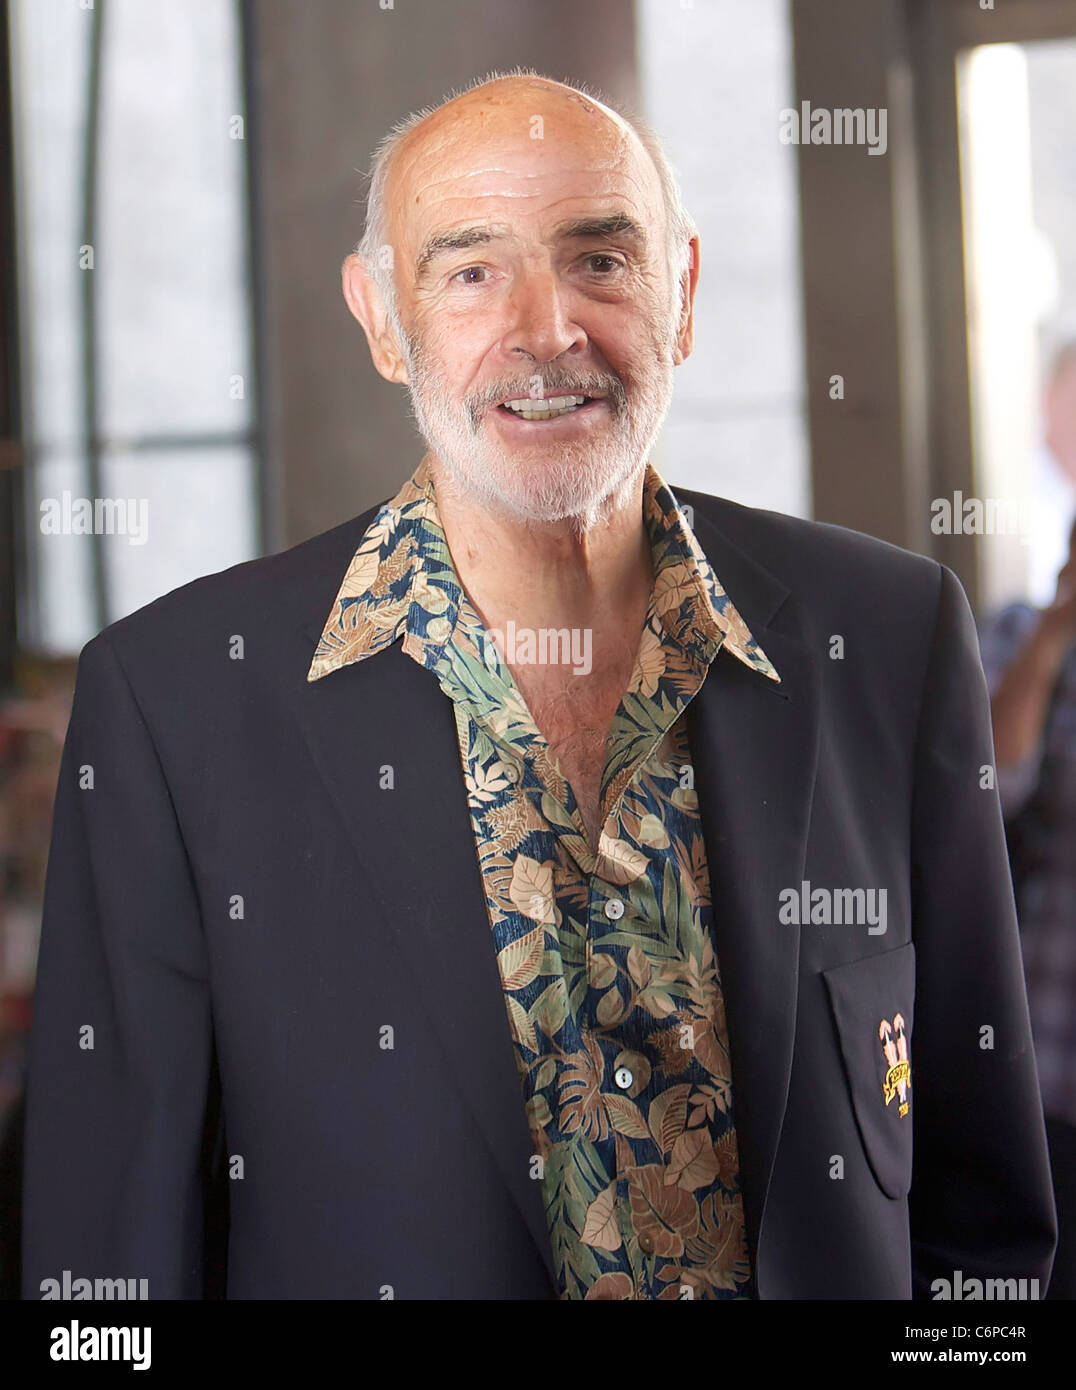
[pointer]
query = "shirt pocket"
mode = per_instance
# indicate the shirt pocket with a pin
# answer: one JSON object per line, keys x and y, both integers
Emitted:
{"x": 873, "y": 1003}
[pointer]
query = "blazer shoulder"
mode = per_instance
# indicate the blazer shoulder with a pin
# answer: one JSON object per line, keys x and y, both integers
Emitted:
{"x": 818, "y": 557}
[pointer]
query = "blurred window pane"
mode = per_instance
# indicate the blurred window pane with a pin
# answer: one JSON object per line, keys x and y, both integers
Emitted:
{"x": 1017, "y": 115}
{"x": 138, "y": 385}
{"x": 714, "y": 79}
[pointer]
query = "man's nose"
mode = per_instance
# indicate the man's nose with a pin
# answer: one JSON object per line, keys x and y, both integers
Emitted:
{"x": 540, "y": 322}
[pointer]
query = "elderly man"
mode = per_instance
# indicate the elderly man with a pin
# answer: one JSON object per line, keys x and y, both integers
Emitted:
{"x": 531, "y": 888}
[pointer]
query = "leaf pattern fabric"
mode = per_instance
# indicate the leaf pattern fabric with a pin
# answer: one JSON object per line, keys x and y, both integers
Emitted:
{"x": 611, "y": 984}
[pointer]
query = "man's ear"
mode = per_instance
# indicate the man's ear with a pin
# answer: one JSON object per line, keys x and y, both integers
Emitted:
{"x": 364, "y": 300}
{"x": 685, "y": 333}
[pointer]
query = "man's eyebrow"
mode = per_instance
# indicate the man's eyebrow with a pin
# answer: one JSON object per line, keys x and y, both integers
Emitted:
{"x": 616, "y": 224}
{"x": 459, "y": 239}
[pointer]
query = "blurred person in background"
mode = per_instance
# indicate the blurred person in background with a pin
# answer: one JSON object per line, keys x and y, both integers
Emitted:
{"x": 1029, "y": 655}
{"x": 1054, "y": 478}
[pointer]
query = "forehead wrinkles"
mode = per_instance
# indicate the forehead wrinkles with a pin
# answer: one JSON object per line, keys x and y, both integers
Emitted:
{"x": 537, "y": 200}
{"x": 497, "y": 159}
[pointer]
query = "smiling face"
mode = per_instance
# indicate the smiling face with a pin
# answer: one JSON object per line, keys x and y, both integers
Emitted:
{"x": 533, "y": 271}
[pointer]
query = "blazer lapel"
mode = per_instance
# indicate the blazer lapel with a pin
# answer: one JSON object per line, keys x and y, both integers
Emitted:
{"x": 755, "y": 750}
{"x": 417, "y": 846}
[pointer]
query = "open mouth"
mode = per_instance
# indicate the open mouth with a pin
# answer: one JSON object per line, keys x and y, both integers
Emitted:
{"x": 551, "y": 408}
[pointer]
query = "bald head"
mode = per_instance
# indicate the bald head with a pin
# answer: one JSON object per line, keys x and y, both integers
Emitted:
{"x": 512, "y": 134}
{"x": 528, "y": 119}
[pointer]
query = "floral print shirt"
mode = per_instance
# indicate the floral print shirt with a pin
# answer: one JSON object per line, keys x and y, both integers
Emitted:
{"x": 612, "y": 989}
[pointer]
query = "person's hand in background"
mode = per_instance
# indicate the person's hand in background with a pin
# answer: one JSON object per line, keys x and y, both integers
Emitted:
{"x": 1022, "y": 698}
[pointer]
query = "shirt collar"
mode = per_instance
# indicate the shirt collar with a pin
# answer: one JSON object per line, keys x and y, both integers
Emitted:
{"x": 401, "y": 583}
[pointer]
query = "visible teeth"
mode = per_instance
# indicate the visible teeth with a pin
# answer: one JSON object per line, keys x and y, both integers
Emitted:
{"x": 545, "y": 409}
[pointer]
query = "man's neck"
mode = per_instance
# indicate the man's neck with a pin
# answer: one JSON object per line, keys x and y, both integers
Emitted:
{"x": 594, "y": 581}
{"x": 544, "y": 575}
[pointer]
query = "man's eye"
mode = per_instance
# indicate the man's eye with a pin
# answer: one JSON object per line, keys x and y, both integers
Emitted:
{"x": 470, "y": 270}
{"x": 613, "y": 263}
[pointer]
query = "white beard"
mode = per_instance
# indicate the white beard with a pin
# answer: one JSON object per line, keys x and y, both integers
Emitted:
{"x": 576, "y": 480}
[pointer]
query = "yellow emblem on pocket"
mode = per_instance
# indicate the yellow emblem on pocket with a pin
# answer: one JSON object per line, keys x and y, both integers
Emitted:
{"x": 898, "y": 1079}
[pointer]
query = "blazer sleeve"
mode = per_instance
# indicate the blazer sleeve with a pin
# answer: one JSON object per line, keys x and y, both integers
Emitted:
{"x": 121, "y": 1041}
{"x": 981, "y": 1200}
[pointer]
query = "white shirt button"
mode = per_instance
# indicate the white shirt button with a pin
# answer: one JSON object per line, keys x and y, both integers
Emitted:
{"x": 623, "y": 1078}
{"x": 614, "y": 909}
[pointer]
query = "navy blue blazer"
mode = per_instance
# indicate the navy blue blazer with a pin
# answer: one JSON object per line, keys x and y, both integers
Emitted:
{"x": 238, "y": 910}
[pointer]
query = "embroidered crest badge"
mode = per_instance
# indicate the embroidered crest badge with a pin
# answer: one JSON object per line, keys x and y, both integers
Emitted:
{"x": 898, "y": 1079}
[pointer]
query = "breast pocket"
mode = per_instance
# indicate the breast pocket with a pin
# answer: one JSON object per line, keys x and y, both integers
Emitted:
{"x": 873, "y": 1001}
